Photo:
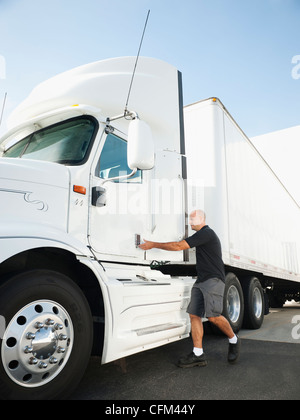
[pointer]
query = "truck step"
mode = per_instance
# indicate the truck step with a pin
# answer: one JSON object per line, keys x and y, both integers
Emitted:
{"x": 157, "y": 328}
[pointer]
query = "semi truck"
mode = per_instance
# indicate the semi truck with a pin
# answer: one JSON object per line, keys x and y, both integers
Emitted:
{"x": 83, "y": 180}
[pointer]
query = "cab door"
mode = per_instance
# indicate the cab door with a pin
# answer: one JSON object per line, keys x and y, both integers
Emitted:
{"x": 119, "y": 209}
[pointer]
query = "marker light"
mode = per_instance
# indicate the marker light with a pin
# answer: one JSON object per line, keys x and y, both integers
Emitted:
{"x": 79, "y": 189}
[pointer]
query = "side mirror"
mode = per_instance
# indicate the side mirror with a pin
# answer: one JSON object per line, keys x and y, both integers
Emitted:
{"x": 140, "y": 148}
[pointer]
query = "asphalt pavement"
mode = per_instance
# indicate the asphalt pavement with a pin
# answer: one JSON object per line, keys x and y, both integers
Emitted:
{"x": 268, "y": 369}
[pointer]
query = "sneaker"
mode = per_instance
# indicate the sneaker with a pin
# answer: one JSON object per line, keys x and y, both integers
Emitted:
{"x": 234, "y": 351}
{"x": 192, "y": 360}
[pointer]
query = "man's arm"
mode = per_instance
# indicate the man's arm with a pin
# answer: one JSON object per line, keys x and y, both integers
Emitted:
{"x": 167, "y": 246}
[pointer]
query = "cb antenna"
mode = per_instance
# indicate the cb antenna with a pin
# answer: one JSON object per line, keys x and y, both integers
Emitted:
{"x": 136, "y": 63}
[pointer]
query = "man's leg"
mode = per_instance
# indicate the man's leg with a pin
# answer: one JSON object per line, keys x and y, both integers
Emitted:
{"x": 222, "y": 323}
{"x": 197, "y": 331}
{"x": 197, "y": 357}
{"x": 234, "y": 341}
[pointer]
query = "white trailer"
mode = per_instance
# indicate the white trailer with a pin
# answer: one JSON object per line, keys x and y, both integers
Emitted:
{"x": 256, "y": 217}
{"x": 82, "y": 181}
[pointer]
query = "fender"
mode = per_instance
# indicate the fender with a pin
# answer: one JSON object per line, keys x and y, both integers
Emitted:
{"x": 99, "y": 272}
{"x": 15, "y": 237}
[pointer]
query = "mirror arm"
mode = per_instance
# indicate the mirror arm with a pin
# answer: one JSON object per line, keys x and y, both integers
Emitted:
{"x": 133, "y": 115}
{"x": 121, "y": 177}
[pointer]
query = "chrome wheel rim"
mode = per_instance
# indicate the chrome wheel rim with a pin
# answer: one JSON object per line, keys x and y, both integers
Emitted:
{"x": 257, "y": 303}
{"x": 233, "y": 304}
{"x": 37, "y": 343}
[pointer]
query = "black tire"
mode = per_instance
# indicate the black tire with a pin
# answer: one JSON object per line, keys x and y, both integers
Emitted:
{"x": 233, "y": 306}
{"x": 254, "y": 303}
{"x": 35, "y": 292}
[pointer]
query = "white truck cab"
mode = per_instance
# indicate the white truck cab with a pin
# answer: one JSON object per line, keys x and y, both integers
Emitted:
{"x": 81, "y": 185}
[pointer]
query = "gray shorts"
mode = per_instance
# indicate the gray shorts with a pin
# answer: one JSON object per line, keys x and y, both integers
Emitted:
{"x": 207, "y": 299}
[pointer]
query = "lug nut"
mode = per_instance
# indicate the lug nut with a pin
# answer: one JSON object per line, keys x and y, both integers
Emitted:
{"x": 53, "y": 360}
{"x": 28, "y": 350}
{"x": 43, "y": 365}
{"x": 38, "y": 325}
{"x": 62, "y": 337}
{"x": 33, "y": 361}
{"x": 49, "y": 322}
{"x": 61, "y": 350}
{"x": 58, "y": 326}
{"x": 30, "y": 336}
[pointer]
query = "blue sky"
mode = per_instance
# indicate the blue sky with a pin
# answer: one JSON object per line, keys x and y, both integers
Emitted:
{"x": 238, "y": 50}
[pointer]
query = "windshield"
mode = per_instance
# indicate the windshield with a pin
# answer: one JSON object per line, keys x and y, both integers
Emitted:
{"x": 68, "y": 142}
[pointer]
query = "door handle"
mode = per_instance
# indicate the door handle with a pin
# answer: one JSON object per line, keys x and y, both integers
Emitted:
{"x": 137, "y": 240}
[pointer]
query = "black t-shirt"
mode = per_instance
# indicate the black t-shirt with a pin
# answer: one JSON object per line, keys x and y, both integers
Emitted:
{"x": 208, "y": 254}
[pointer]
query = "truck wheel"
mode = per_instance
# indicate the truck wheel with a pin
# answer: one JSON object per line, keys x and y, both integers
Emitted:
{"x": 47, "y": 341}
{"x": 233, "y": 302}
{"x": 254, "y": 303}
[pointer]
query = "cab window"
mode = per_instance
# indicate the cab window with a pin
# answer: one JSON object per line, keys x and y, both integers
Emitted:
{"x": 113, "y": 161}
{"x": 67, "y": 143}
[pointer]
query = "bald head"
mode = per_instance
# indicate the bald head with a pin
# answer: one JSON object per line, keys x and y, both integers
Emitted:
{"x": 197, "y": 219}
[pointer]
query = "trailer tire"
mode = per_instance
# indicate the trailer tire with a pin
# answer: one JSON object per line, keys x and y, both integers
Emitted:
{"x": 233, "y": 309}
{"x": 47, "y": 341}
{"x": 254, "y": 303}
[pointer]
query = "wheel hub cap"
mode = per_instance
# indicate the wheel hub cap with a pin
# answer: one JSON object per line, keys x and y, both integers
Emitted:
{"x": 37, "y": 343}
{"x": 45, "y": 343}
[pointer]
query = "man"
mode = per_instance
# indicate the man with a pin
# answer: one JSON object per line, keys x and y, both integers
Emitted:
{"x": 208, "y": 291}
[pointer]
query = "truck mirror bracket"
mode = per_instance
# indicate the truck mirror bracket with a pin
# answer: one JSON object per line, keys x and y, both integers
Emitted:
{"x": 98, "y": 197}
